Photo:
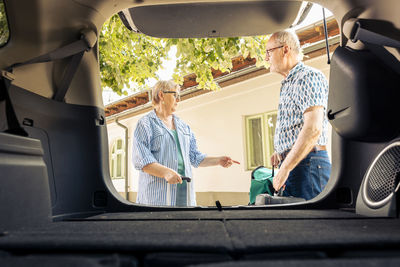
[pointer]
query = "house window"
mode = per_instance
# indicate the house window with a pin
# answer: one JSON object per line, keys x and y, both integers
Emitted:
{"x": 4, "y": 32}
{"x": 117, "y": 161}
{"x": 260, "y": 130}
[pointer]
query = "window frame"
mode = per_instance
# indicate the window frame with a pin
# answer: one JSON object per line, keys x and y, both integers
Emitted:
{"x": 249, "y": 147}
{"x": 265, "y": 135}
{"x": 114, "y": 153}
{"x": 269, "y": 150}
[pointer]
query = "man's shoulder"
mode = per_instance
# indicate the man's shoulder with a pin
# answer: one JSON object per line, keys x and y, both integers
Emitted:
{"x": 308, "y": 71}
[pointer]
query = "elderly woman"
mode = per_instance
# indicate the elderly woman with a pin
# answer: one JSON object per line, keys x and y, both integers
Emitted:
{"x": 164, "y": 148}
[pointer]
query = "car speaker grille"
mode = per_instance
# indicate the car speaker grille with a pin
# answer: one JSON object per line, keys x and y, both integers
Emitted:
{"x": 384, "y": 174}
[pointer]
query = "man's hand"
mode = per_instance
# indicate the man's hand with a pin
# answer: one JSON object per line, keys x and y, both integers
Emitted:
{"x": 275, "y": 159}
{"x": 280, "y": 179}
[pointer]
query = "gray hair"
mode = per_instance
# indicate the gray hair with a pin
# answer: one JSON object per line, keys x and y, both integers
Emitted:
{"x": 288, "y": 38}
{"x": 162, "y": 86}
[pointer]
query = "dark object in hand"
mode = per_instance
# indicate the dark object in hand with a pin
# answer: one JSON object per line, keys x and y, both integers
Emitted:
{"x": 184, "y": 178}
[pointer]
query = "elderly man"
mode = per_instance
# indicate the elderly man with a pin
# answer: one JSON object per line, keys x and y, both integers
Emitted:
{"x": 301, "y": 128}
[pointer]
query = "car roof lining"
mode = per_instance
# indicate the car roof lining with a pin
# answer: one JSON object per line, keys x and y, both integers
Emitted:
{"x": 199, "y": 20}
{"x": 43, "y": 38}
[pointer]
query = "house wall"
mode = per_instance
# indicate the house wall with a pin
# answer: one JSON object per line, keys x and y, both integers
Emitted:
{"x": 217, "y": 119}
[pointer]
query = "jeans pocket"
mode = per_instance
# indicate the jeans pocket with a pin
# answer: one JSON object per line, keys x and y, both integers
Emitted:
{"x": 297, "y": 184}
{"x": 321, "y": 170}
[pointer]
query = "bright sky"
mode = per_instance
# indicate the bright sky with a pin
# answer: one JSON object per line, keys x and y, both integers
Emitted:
{"x": 109, "y": 96}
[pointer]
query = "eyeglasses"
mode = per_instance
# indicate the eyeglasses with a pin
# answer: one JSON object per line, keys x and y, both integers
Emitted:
{"x": 268, "y": 51}
{"x": 176, "y": 94}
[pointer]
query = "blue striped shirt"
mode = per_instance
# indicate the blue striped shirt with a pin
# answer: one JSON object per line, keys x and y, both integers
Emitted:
{"x": 154, "y": 142}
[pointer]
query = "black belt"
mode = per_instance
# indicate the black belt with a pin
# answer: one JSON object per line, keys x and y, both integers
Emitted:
{"x": 284, "y": 154}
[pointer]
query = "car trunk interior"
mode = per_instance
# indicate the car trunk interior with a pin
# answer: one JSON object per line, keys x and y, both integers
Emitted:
{"x": 57, "y": 201}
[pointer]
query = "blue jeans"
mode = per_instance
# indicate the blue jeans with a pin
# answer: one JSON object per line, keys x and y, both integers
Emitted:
{"x": 309, "y": 177}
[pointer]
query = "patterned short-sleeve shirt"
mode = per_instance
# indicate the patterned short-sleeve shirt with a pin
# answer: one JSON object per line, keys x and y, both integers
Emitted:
{"x": 304, "y": 87}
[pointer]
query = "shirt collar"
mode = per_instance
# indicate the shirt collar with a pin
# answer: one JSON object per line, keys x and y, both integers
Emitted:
{"x": 154, "y": 116}
{"x": 293, "y": 72}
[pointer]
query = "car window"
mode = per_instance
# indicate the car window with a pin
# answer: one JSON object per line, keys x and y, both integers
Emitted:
{"x": 248, "y": 138}
{"x": 4, "y": 32}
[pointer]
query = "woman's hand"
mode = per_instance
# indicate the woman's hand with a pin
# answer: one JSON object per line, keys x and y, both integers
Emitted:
{"x": 223, "y": 161}
{"x": 156, "y": 169}
{"x": 226, "y": 162}
{"x": 172, "y": 177}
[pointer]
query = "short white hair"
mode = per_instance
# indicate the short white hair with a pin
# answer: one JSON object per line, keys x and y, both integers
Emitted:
{"x": 288, "y": 38}
{"x": 163, "y": 86}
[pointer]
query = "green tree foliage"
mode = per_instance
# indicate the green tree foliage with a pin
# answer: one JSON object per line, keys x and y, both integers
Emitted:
{"x": 4, "y": 33}
{"x": 129, "y": 59}
{"x": 126, "y": 58}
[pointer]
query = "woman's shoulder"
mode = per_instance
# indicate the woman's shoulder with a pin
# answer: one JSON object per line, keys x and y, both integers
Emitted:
{"x": 145, "y": 123}
{"x": 181, "y": 122}
{"x": 147, "y": 118}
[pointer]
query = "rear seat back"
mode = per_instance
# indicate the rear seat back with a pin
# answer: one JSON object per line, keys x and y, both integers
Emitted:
{"x": 24, "y": 185}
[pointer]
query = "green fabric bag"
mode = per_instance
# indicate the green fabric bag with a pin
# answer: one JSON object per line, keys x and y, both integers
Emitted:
{"x": 261, "y": 183}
